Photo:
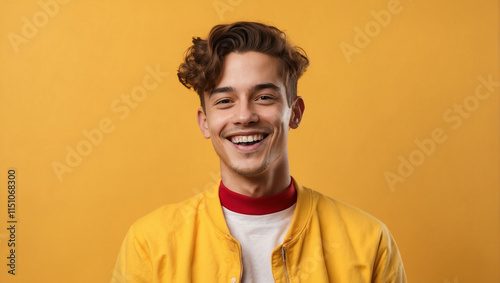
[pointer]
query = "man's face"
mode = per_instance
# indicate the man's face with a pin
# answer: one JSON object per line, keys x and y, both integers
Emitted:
{"x": 247, "y": 115}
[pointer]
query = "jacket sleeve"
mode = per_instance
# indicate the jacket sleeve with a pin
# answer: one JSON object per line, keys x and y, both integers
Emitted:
{"x": 133, "y": 264}
{"x": 388, "y": 266}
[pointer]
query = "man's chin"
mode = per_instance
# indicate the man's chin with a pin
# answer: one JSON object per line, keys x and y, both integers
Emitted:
{"x": 250, "y": 171}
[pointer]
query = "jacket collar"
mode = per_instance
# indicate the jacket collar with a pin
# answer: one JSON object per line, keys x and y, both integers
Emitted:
{"x": 300, "y": 217}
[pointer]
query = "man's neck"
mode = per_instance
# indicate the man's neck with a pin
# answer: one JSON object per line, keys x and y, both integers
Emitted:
{"x": 270, "y": 182}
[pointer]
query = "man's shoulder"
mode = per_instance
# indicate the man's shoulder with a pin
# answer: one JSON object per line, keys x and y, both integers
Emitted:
{"x": 350, "y": 215}
{"x": 169, "y": 216}
{"x": 344, "y": 227}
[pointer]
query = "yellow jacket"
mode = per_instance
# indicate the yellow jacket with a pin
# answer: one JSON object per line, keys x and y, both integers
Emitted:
{"x": 328, "y": 241}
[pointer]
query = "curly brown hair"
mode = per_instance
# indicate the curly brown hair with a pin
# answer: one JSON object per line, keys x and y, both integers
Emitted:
{"x": 203, "y": 60}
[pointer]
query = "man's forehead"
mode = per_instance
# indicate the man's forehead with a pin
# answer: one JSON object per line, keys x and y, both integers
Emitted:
{"x": 245, "y": 62}
{"x": 249, "y": 71}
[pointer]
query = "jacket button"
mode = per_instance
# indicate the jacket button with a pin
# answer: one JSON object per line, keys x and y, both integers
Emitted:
{"x": 233, "y": 280}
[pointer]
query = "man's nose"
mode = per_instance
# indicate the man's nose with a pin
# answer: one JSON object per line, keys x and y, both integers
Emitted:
{"x": 245, "y": 114}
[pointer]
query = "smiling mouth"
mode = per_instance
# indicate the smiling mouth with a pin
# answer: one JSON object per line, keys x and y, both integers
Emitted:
{"x": 247, "y": 140}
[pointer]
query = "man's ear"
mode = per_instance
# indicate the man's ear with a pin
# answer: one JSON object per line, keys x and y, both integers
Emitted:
{"x": 202, "y": 123}
{"x": 298, "y": 108}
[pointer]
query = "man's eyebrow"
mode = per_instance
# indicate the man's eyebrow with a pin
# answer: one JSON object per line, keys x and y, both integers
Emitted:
{"x": 254, "y": 88}
{"x": 222, "y": 89}
{"x": 266, "y": 86}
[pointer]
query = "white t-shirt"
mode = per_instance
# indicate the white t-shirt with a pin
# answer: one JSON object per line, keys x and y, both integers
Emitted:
{"x": 258, "y": 235}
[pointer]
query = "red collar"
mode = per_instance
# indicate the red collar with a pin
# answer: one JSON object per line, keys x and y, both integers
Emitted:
{"x": 257, "y": 206}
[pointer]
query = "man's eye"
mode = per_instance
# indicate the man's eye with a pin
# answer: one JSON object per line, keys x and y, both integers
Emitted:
{"x": 223, "y": 101}
{"x": 266, "y": 97}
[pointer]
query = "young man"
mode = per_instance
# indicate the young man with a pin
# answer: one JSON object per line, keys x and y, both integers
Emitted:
{"x": 258, "y": 224}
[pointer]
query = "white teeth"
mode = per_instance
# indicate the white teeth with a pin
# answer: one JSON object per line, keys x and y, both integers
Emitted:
{"x": 252, "y": 138}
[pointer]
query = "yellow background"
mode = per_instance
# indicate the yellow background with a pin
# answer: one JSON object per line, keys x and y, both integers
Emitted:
{"x": 361, "y": 118}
